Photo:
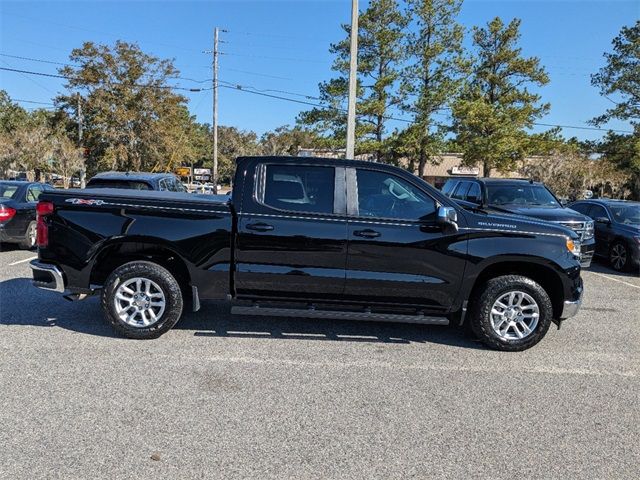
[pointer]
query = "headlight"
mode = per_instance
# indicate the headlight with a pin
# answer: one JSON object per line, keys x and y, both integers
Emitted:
{"x": 588, "y": 230}
{"x": 573, "y": 246}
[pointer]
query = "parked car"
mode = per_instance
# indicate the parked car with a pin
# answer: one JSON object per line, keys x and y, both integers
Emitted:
{"x": 310, "y": 237}
{"x": 617, "y": 226}
{"x": 18, "y": 201}
{"x": 523, "y": 197}
{"x": 137, "y": 181}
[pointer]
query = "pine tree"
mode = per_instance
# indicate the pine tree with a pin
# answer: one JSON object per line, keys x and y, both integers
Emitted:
{"x": 496, "y": 107}
{"x": 379, "y": 54}
{"x": 432, "y": 77}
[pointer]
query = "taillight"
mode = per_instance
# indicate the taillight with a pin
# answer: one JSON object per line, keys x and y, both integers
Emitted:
{"x": 43, "y": 209}
{"x": 6, "y": 213}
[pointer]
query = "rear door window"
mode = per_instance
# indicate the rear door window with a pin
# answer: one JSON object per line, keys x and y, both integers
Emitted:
{"x": 461, "y": 190}
{"x": 474, "y": 194}
{"x": 448, "y": 187}
{"x": 299, "y": 188}
{"x": 33, "y": 192}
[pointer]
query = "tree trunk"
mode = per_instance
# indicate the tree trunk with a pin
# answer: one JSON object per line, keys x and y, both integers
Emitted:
{"x": 486, "y": 169}
{"x": 422, "y": 163}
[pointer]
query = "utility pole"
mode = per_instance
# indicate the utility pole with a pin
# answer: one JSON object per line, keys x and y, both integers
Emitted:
{"x": 353, "y": 72}
{"x": 214, "y": 175}
{"x": 79, "y": 119}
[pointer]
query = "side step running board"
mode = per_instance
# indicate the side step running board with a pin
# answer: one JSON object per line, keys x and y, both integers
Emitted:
{"x": 339, "y": 315}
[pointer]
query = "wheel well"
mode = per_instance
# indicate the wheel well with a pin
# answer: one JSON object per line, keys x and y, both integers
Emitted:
{"x": 544, "y": 276}
{"x": 113, "y": 256}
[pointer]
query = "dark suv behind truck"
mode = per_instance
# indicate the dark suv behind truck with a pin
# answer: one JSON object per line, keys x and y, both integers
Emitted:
{"x": 523, "y": 197}
{"x": 310, "y": 237}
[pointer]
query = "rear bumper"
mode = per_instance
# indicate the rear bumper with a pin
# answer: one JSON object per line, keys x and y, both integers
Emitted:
{"x": 47, "y": 276}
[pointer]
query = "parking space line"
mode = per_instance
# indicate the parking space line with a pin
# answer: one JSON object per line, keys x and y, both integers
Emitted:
{"x": 22, "y": 261}
{"x": 614, "y": 279}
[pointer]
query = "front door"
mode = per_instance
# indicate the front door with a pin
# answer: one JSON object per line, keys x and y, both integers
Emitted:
{"x": 397, "y": 253}
{"x": 293, "y": 243}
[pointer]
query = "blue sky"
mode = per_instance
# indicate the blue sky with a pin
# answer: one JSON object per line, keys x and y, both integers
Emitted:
{"x": 283, "y": 45}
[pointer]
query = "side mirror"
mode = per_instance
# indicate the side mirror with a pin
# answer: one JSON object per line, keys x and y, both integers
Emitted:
{"x": 603, "y": 220}
{"x": 448, "y": 218}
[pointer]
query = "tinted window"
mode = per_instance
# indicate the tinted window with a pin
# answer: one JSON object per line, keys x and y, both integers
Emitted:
{"x": 474, "y": 195}
{"x": 33, "y": 192}
{"x": 461, "y": 191}
{"x": 598, "y": 211}
{"x": 299, "y": 188}
{"x": 126, "y": 184}
{"x": 582, "y": 208}
{"x": 448, "y": 187}
{"x": 7, "y": 190}
{"x": 383, "y": 195}
{"x": 627, "y": 214}
{"x": 521, "y": 195}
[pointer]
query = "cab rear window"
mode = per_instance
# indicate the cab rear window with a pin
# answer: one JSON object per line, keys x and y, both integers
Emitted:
{"x": 126, "y": 184}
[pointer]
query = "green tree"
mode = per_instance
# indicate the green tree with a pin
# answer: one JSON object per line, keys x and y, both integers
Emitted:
{"x": 496, "y": 106}
{"x": 233, "y": 143}
{"x": 380, "y": 52}
{"x": 620, "y": 77}
{"x": 133, "y": 120}
{"x": 285, "y": 140}
{"x": 433, "y": 76}
{"x": 619, "y": 81}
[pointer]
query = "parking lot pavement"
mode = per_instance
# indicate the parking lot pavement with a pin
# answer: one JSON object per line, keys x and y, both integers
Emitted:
{"x": 241, "y": 397}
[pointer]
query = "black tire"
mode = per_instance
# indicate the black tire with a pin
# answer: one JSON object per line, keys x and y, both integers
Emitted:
{"x": 29, "y": 241}
{"x": 156, "y": 274}
{"x": 480, "y": 316}
{"x": 619, "y": 257}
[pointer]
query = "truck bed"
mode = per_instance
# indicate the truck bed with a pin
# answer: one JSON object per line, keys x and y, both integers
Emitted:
{"x": 91, "y": 226}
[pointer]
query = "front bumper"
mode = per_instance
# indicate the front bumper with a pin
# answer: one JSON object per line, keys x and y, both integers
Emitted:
{"x": 586, "y": 253}
{"x": 47, "y": 276}
{"x": 571, "y": 307}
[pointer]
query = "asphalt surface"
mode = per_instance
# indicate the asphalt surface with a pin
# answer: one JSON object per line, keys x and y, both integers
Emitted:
{"x": 241, "y": 397}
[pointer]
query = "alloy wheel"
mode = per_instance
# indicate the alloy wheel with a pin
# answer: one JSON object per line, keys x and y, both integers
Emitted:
{"x": 514, "y": 315}
{"x": 618, "y": 256}
{"x": 139, "y": 302}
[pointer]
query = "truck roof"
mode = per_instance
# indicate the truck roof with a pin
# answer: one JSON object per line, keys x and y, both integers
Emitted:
{"x": 498, "y": 181}
{"x": 134, "y": 176}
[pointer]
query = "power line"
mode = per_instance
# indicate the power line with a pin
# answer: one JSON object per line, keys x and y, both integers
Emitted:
{"x": 36, "y": 60}
{"x": 32, "y": 101}
{"x": 53, "y": 75}
{"x": 255, "y": 91}
{"x": 285, "y": 59}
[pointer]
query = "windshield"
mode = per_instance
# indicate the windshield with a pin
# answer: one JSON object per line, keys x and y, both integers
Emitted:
{"x": 127, "y": 184}
{"x": 520, "y": 195}
{"x": 8, "y": 190}
{"x": 627, "y": 214}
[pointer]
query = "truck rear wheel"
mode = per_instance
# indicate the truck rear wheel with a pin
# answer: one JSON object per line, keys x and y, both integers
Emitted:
{"x": 511, "y": 313}
{"x": 141, "y": 300}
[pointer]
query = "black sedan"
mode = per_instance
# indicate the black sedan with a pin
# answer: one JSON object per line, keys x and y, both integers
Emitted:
{"x": 617, "y": 230}
{"x": 18, "y": 211}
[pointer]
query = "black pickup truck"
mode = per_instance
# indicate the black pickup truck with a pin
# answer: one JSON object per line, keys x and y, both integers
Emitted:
{"x": 310, "y": 237}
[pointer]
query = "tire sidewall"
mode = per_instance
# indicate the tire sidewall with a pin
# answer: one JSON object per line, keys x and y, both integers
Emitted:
{"x": 26, "y": 243}
{"x": 627, "y": 260}
{"x": 163, "y": 278}
{"x": 494, "y": 289}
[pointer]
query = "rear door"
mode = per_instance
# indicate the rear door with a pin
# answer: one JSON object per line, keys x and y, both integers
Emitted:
{"x": 292, "y": 226}
{"x": 602, "y": 231}
{"x": 397, "y": 253}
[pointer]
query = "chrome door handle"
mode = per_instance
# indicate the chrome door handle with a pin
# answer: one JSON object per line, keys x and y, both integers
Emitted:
{"x": 260, "y": 227}
{"x": 368, "y": 233}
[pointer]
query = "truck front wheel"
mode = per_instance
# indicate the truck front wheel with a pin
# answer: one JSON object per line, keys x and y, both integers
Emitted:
{"x": 141, "y": 300}
{"x": 511, "y": 313}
